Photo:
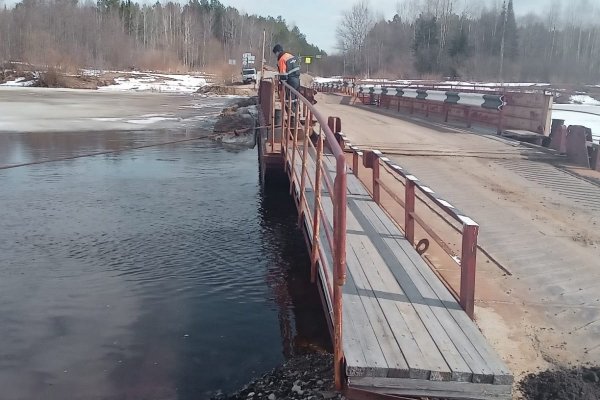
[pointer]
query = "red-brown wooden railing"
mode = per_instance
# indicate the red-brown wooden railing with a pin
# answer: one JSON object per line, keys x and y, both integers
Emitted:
{"x": 375, "y": 160}
{"x": 302, "y": 124}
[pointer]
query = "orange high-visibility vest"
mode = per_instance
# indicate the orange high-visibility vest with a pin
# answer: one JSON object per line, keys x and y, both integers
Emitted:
{"x": 288, "y": 64}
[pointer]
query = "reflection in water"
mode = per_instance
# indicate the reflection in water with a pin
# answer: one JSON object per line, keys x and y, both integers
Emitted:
{"x": 301, "y": 320}
{"x": 155, "y": 273}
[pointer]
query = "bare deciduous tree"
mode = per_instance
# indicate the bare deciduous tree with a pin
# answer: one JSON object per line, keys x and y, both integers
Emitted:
{"x": 352, "y": 35}
{"x": 560, "y": 44}
{"x": 122, "y": 34}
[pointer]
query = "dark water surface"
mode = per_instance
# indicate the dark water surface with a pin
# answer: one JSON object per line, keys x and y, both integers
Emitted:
{"x": 160, "y": 273}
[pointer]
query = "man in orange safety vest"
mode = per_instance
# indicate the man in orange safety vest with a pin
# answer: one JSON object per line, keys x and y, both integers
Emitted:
{"x": 289, "y": 68}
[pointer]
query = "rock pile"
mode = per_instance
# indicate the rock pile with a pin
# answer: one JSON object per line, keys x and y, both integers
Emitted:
{"x": 304, "y": 377}
{"x": 236, "y": 124}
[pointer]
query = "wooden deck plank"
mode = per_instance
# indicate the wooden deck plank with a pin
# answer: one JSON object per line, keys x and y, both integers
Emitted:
{"x": 420, "y": 315}
{"x": 406, "y": 271}
{"x": 423, "y": 358}
{"x": 362, "y": 350}
{"x": 502, "y": 374}
{"x": 398, "y": 366}
{"x": 414, "y": 342}
{"x": 465, "y": 334}
{"x": 355, "y": 186}
{"x": 372, "y": 319}
{"x": 461, "y": 369}
{"x": 419, "y": 388}
{"x": 356, "y": 361}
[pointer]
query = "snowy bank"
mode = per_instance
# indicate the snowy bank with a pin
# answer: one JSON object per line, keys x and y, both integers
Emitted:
{"x": 164, "y": 83}
{"x": 584, "y": 100}
{"x": 22, "y": 82}
{"x": 319, "y": 79}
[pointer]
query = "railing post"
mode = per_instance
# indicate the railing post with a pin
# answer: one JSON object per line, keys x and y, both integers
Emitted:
{"x": 376, "y": 187}
{"x": 339, "y": 228}
{"x": 317, "y": 208}
{"x": 294, "y": 151}
{"x": 297, "y": 118}
{"x": 303, "y": 176}
{"x": 273, "y": 91}
{"x": 355, "y": 164}
{"x": 288, "y": 137}
{"x": 409, "y": 210}
{"x": 469, "y": 117}
{"x": 283, "y": 118}
{"x": 288, "y": 130}
{"x": 500, "y": 122}
{"x": 468, "y": 265}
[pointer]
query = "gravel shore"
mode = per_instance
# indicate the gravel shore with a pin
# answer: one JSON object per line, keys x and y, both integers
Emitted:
{"x": 303, "y": 377}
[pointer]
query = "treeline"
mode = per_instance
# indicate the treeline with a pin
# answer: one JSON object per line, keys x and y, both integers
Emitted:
{"x": 200, "y": 34}
{"x": 474, "y": 39}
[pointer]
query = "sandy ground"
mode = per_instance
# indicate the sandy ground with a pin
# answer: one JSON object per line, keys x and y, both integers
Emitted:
{"x": 538, "y": 292}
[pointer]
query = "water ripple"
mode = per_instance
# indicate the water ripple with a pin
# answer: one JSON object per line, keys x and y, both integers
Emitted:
{"x": 154, "y": 274}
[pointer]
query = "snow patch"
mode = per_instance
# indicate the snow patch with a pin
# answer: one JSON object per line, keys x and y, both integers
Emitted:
{"x": 574, "y": 117}
{"x": 150, "y": 120}
{"x": 164, "y": 83}
{"x": 584, "y": 100}
{"x": 453, "y": 84}
{"x": 333, "y": 79}
{"x": 107, "y": 119}
{"x": 20, "y": 82}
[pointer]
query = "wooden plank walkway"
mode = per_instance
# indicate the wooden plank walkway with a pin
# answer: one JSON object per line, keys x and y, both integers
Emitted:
{"x": 403, "y": 332}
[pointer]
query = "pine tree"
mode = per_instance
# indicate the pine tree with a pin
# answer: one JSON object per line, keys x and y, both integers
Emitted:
{"x": 459, "y": 45}
{"x": 426, "y": 44}
{"x": 511, "y": 40}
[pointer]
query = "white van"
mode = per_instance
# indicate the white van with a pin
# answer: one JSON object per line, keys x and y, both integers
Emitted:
{"x": 249, "y": 75}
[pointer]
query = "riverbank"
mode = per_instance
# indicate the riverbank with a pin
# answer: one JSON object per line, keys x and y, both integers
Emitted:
{"x": 303, "y": 377}
{"x": 140, "y": 81}
{"x": 235, "y": 125}
{"x": 310, "y": 377}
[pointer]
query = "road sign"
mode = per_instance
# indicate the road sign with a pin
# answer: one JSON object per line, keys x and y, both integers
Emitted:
{"x": 318, "y": 56}
{"x": 307, "y": 60}
{"x": 248, "y": 58}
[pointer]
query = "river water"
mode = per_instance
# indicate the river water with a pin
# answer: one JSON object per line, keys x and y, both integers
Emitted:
{"x": 158, "y": 273}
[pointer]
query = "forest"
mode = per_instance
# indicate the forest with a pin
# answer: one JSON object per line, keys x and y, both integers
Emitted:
{"x": 473, "y": 39}
{"x": 198, "y": 35}
{"x": 451, "y": 39}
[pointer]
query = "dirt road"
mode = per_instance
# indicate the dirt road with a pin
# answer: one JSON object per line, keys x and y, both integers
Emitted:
{"x": 538, "y": 220}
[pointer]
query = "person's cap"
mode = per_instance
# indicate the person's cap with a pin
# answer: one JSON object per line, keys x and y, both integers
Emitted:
{"x": 277, "y": 48}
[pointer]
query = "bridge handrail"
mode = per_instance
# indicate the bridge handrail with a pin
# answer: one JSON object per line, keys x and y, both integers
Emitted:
{"x": 337, "y": 193}
{"x": 374, "y": 159}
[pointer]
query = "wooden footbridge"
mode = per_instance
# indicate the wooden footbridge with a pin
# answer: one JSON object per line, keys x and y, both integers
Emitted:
{"x": 397, "y": 330}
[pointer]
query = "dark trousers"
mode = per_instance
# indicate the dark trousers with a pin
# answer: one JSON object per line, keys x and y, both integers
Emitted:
{"x": 293, "y": 81}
